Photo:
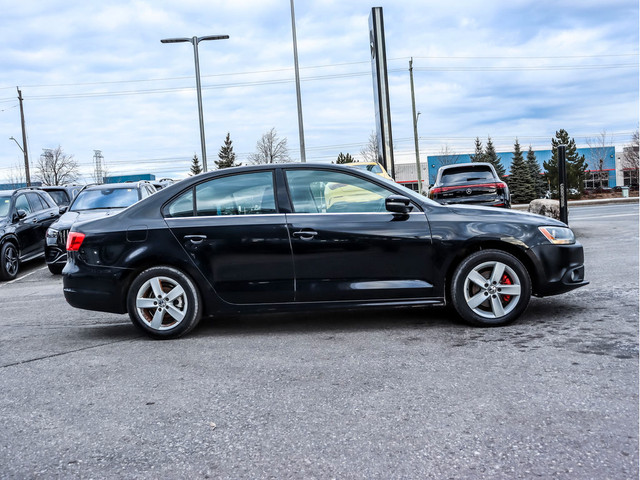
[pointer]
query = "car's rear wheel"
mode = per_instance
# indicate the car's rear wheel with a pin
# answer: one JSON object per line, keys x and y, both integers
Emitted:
{"x": 10, "y": 261}
{"x": 490, "y": 288}
{"x": 164, "y": 302}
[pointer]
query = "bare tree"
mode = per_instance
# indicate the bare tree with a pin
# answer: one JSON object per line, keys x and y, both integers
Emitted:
{"x": 56, "y": 167}
{"x": 270, "y": 149}
{"x": 16, "y": 176}
{"x": 630, "y": 153}
{"x": 447, "y": 156}
{"x": 370, "y": 152}
{"x": 598, "y": 147}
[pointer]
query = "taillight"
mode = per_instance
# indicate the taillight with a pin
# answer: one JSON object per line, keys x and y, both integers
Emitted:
{"x": 501, "y": 185}
{"x": 74, "y": 240}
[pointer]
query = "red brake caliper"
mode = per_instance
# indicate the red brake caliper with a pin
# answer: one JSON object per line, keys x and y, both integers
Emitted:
{"x": 506, "y": 281}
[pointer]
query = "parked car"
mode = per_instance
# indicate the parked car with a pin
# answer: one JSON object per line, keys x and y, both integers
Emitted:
{"x": 63, "y": 195}
{"x": 264, "y": 238}
{"x": 373, "y": 167}
{"x": 474, "y": 183}
{"x": 25, "y": 215}
{"x": 93, "y": 201}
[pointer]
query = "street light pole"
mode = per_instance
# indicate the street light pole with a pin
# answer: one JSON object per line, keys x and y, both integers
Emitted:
{"x": 26, "y": 162}
{"x": 303, "y": 155}
{"x": 195, "y": 41}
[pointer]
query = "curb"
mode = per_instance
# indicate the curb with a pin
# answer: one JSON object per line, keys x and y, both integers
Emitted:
{"x": 585, "y": 203}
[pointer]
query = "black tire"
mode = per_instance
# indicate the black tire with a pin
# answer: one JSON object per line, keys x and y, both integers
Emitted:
{"x": 9, "y": 261}
{"x": 55, "y": 268}
{"x": 490, "y": 288}
{"x": 164, "y": 303}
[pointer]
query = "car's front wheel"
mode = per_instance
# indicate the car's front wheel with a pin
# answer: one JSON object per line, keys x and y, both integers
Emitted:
{"x": 10, "y": 261}
{"x": 164, "y": 302}
{"x": 490, "y": 288}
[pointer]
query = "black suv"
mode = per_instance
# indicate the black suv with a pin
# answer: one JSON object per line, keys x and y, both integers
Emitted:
{"x": 25, "y": 215}
{"x": 474, "y": 183}
{"x": 63, "y": 195}
{"x": 93, "y": 201}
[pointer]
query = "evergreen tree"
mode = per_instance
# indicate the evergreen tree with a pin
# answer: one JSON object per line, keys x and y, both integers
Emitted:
{"x": 342, "y": 158}
{"x": 226, "y": 154}
{"x": 575, "y": 163}
{"x": 479, "y": 154}
{"x": 520, "y": 182}
{"x": 196, "y": 168}
{"x": 492, "y": 157}
{"x": 539, "y": 185}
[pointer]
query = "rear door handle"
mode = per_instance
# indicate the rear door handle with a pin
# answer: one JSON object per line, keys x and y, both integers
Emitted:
{"x": 305, "y": 234}
{"x": 195, "y": 238}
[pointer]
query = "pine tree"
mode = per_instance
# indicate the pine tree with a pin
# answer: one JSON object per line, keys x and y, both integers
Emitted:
{"x": 520, "y": 182}
{"x": 575, "y": 163}
{"x": 342, "y": 158}
{"x": 195, "y": 166}
{"x": 226, "y": 154}
{"x": 539, "y": 185}
{"x": 479, "y": 154}
{"x": 492, "y": 157}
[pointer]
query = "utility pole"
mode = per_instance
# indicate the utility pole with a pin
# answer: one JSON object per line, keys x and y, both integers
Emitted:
{"x": 24, "y": 141}
{"x": 415, "y": 127}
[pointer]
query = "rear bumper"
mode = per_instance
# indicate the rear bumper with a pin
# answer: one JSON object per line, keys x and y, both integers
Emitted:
{"x": 95, "y": 288}
{"x": 560, "y": 269}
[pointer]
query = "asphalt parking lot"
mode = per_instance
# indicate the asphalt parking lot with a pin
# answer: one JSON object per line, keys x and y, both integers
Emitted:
{"x": 375, "y": 394}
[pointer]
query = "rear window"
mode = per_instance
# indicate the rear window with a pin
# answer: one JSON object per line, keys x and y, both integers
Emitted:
{"x": 467, "y": 174}
{"x": 59, "y": 196}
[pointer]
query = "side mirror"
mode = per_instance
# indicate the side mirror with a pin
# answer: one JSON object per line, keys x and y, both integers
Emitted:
{"x": 19, "y": 215}
{"x": 63, "y": 209}
{"x": 398, "y": 204}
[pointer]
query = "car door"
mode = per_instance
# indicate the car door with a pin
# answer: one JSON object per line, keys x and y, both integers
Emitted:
{"x": 26, "y": 228}
{"x": 230, "y": 228}
{"x": 348, "y": 247}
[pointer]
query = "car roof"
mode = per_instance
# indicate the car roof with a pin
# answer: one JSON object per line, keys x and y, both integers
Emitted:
{"x": 112, "y": 186}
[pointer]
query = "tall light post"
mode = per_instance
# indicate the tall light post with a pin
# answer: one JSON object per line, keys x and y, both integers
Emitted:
{"x": 195, "y": 41}
{"x": 26, "y": 162}
{"x": 303, "y": 155}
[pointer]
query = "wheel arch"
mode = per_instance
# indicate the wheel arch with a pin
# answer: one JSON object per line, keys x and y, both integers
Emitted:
{"x": 187, "y": 269}
{"x": 491, "y": 244}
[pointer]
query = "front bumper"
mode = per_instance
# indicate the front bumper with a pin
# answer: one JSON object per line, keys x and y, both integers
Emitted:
{"x": 560, "y": 268}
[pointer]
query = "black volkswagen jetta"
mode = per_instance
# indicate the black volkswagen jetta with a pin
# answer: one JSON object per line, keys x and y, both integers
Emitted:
{"x": 305, "y": 236}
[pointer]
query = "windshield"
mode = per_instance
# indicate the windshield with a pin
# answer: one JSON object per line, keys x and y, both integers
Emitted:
{"x": 5, "y": 202}
{"x": 105, "y": 198}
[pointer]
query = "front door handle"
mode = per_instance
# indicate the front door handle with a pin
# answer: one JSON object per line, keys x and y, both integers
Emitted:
{"x": 305, "y": 234}
{"x": 195, "y": 238}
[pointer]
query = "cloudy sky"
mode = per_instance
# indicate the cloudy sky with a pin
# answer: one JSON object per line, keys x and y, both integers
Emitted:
{"x": 94, "y": 76}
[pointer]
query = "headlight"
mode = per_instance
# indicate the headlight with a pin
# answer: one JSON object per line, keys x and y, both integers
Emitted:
{"x": 558, "y": 235}
{"x": 52, "y": 233}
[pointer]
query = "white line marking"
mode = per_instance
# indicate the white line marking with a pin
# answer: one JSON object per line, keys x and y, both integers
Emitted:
{"x": 24, "y": 276}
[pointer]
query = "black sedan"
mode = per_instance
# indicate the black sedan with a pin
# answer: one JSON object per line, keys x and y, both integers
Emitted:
{"x": 304, "y": 236}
